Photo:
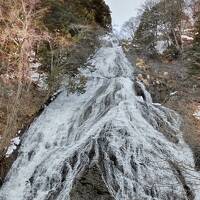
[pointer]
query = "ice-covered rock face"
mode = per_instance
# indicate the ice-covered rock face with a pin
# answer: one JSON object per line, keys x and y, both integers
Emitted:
{"x": 112, "y": 128}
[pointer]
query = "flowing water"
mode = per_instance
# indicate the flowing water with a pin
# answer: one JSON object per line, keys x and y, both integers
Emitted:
{"x": 135, "y": 144}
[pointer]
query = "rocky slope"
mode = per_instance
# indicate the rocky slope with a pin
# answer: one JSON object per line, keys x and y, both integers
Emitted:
{"x": 171, "y": 84}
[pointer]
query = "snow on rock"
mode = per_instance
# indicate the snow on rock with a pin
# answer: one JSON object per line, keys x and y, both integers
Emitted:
{"x": 187, "y": 38}
{"x": 137, "y": 145}
{"x": 173, "y": 93}
{"x": 13, "y": 146}
{"x": 161, "y": 46}
{"x": 37, "y": 77}
{"x": 197, "y": 113}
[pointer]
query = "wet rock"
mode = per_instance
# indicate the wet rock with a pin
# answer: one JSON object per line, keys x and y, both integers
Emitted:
{"x": 139, "y": 91}
{"x": 90, "y": 186}
{"x": 196, "y": 151}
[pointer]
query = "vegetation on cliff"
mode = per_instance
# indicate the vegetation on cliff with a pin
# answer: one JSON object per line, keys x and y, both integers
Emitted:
{"x": 40, "y": 43}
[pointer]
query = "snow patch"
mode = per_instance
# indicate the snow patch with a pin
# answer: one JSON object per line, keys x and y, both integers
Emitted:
{"x": 197, "y": 113}
{"x": 173, "y": 93}
{"x": 188, "y": 38}
{"x": 161, "y": 46}
{"x": 13, "y": 146}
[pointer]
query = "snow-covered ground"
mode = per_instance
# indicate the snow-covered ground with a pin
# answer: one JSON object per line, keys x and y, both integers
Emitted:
{"x": 137, "y": 145}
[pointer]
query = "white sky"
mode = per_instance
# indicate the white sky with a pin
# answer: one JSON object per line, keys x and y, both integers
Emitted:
{"x": 122, "y": 10}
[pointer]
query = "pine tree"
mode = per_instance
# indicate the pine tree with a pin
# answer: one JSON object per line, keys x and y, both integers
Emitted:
{"x": 146, "y": 34}
{"x": 160, "y": 21}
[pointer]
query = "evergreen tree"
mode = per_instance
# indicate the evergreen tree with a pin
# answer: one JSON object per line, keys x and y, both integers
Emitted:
{"x": 146, "y": 34}
{"x": 160, "y": 21}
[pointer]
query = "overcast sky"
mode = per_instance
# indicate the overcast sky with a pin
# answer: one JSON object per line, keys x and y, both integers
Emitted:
{"x": 122, "y": 10}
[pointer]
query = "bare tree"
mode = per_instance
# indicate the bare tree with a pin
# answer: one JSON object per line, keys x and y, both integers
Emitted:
{"x": 19, "y": 36}
{"x": 129, "y": 27}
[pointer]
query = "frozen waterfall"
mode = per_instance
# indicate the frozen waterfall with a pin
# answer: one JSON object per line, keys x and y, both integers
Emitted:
{"x": 135, "y": 145}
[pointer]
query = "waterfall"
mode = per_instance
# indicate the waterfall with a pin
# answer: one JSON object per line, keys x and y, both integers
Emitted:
{"x": 134, "y": 146}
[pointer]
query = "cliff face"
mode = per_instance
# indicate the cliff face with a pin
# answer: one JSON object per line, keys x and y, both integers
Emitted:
{"x": 41, "y": 42}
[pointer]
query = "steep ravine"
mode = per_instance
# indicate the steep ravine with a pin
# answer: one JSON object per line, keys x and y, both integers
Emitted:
{"x": 112, "y": 142}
